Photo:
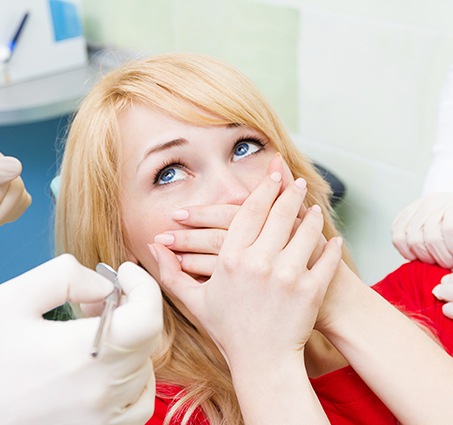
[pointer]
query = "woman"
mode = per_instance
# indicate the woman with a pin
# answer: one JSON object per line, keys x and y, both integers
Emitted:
{"x": 180, "y": 130}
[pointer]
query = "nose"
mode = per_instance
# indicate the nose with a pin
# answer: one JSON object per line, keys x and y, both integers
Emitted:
{"x": 227, "y": 188}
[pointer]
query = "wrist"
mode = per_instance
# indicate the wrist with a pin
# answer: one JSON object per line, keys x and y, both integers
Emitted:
{"x": 276, "y": 391}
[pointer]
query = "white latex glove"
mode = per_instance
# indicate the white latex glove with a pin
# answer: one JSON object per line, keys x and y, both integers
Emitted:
{"x": 444, "y": 292}
{"x": 424, "y": 230}
{"x": 14, "y": 198}
{"x": 47, "y": 373}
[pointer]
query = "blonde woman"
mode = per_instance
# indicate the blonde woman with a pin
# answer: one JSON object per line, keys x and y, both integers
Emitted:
{"x": 173, "y": 131}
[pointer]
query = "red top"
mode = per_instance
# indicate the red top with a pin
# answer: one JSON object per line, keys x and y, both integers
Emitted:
{"x": 344, "y": 396}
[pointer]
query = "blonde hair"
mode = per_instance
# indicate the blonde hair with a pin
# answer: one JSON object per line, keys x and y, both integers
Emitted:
{"x": 198, "y": 90}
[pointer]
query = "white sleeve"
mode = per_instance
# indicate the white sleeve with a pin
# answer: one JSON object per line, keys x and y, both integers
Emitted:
{"x": 440, "y": 173}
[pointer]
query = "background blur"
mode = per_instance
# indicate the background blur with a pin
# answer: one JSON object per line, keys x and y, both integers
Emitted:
{"x": 356, "y": 82}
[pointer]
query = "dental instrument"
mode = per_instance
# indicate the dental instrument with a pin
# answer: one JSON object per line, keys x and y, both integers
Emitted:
{"x": 111, "y": 301}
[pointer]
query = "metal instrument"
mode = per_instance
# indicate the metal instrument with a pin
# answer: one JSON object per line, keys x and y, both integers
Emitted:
{"x": 111, "y": 301}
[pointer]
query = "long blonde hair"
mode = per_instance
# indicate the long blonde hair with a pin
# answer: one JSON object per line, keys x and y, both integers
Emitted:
{"x": 198, "y": 90}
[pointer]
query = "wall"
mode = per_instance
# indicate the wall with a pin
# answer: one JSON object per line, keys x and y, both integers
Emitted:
{"x": 356, "y": 82}
{"x": 370, "y": 76}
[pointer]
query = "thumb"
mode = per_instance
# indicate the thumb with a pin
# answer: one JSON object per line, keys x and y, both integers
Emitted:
{"x": 173, "y": 279}
{"x": 140, "y": 319}
{"x": 52, "y": 284}
{"x": 10, "y": 168}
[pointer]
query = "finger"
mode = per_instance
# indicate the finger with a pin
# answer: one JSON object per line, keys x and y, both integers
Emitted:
{"x": 447, "y": 309}
{"x": 172, "y": 279}
{"x": 325, "y": 267}
{"x": 217, "y": 216}
{"x": 133, "y": 378}
{"x": 399, "y": 234}
{"x": 418, "y": 247}
{"x": 447, "y": 229}
{"x": 140, "y": 319}
{"x": 434, "y": 240}
{"x": 278, "y": 165}
{"x": 206, "y": 241}
{"x": 443, "y": 291}
{"x": 140, "y": 412}
{"x": 280, "y": 223}
{"x": 55, "y": 282}
{"x": 10, "y": 168}
{"x": 198, "y": 264}
{"x": 15, "y": 201}
{"x": 249, "y": 220}
{"x": 307, "y": 236}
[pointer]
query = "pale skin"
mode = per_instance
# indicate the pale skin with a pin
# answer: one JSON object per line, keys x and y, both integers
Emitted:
{"x": 232, "y": 165}
{"x": 413, "y": 380}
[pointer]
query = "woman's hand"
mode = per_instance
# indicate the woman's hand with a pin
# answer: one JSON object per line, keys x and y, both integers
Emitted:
{"x": 261, "y": 299}
{"x": 198, "y": 245}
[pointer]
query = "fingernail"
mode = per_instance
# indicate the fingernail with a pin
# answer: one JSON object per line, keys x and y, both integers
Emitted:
{"x": 179, "y": 257}
{"x": 276, "y": 176}
{"x": 300, "y": 182}
{"x": 153, "y": 252}
{"x": 339, "y": 241}
{"x": 164, "y": 239}
{"x": 437, "y": 291}
{"x": 180, "y": 215}
{"x": 316, "y": 208}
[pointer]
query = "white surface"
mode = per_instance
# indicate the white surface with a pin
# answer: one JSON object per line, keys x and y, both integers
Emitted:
{"x": 47, "y": 97}
{"x": 37, "y": 53}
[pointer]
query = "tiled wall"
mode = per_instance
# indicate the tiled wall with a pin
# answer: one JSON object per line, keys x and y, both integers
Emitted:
{"x": 356, "y": 82}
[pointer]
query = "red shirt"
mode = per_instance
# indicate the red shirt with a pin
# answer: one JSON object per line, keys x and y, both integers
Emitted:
{"x": 344, "y": 396}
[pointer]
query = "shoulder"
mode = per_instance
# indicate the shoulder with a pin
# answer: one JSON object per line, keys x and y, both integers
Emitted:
{"x": 166, "y": 396}
{"x": 409, "y": 288}
{"x": 411, "y": 282}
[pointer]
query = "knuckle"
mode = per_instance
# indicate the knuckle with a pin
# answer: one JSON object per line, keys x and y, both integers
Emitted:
{"x": 68, "y": 263}
{"x": 231, "y": 262}
{"x": 286, "y": 276}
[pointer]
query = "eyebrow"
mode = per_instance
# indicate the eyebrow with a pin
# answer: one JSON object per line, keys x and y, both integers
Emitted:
{"x": 162, "y": 147}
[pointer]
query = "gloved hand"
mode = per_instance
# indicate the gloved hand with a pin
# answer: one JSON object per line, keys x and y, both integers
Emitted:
{"x": 444, "y": 292}
{"x": 14, "y": 198}
{"x": 424, "y": 230}
{"x": 47, "y": 373}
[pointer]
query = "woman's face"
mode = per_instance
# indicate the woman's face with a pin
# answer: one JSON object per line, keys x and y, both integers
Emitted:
{"x": 168, "y": 164}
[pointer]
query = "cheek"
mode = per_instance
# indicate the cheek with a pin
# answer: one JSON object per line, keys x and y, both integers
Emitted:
{"x": 141, "y": 226}
{"x": 258, "y": 170}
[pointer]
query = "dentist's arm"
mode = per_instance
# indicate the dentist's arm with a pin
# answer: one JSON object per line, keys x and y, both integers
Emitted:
{"x": 47, "y": 373}
{"x": 14, "y": 198}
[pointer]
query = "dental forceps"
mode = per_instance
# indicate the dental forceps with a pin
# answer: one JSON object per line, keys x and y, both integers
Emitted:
{"x": 111, "y": 301}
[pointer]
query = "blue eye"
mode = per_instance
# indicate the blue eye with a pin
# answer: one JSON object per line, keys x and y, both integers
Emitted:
{"x": 170, "y": 174}
{"x": 245, "y": 148}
